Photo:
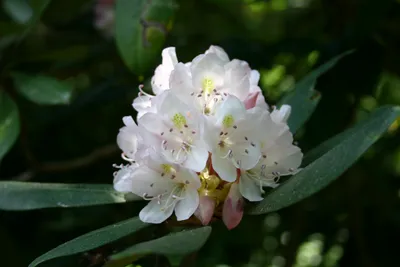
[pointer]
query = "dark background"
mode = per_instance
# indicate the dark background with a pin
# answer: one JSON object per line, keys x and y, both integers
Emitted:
{"x": 353, "y": 222}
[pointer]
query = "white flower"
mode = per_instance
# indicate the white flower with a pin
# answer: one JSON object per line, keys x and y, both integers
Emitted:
{"x": 169, "y": 188}
{"x": 204, "y": 141}
{"x": 209, "y": 80}
{"x": 160, "y": 80}
{"x": 279, "y": 157}
{"x": 178, "y": 132}
{"x": 233, "y": 140}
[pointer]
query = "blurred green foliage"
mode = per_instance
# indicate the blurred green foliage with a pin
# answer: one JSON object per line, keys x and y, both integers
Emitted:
{"x": 353, "y": 222}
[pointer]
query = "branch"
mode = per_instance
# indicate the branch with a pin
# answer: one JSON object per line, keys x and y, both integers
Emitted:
{"x": 68, "y": 165}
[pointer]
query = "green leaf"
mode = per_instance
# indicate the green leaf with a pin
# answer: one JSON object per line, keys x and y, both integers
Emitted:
{"x": 18, "y": 10}
{"x": 43, "y": 90}
{"x": 304, "y": 99}
{"x": 178, "y": 243}
{"x": 9, "y": 123}
{"x": 141, "y": 28}
{"x": 93, "y": 240}
{"x": 336, "y": 156}
{"x": 25, "y": 11}
{"x": 30, "y": 196}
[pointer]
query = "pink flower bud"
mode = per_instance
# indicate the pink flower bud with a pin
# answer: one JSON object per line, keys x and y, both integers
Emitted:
{"x": 205, "y": 210}
{"x": 251, "y": 100}
{"x": 232, "y": 211}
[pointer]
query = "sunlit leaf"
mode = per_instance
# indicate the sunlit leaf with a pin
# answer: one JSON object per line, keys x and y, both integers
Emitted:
{"x": 43, "y": 89}
{"x": 25, "y": 11}
{"x": 141, "y": 28}
{"x": 93, "y": 240}
{"x": 18, "y": 10}
{"x": 178, "y": 243}
{"x": 333, "y": 158}
{"x": 304, "y": 98}
{"x": 29, "y": 196}
{"x": 9, "y": 123}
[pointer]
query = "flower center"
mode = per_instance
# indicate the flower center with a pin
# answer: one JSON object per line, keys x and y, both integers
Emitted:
{"x": 212, "y": 186}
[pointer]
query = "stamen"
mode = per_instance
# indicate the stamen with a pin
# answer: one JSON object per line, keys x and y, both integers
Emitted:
{"x": 124, "y": 157}
{"x": 141, "y": 92}
{"x": 228, "y": 155}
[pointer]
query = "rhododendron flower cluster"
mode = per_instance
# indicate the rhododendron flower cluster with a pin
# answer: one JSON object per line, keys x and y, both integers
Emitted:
{"x": 205, "y": 142}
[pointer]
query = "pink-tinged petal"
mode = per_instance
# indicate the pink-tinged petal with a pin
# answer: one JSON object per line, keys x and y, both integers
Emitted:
{"x": 205, "y": 211}
{"x": 232, "y": 212}
{"x": 251, "y": 100}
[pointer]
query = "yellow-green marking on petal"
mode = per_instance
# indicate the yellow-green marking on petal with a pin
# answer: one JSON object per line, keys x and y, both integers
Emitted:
{"x": 179, "y": 120}
{"x": 208, "y": 85}
{"x": 228, "y": 121}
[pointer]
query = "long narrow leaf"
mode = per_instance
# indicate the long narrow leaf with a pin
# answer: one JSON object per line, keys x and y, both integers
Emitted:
{"x": 29, "y": 196}
{"x": 179, "y": 243}
{"x": 336, "y": 156}
{"x": 93, "y": 240}
{"x": 304, "y": 98}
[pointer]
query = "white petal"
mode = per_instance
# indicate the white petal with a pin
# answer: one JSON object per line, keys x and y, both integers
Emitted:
{"x": 142, "y": 104}
{"x": 149, "y": 182}
{"x": 152, "y": 213}
{"x": 249, "y": 189}
{"x": 281, "y": 115}
{"x": 153, "y": 123}
{"x": 172, "y": 105}
{"x": 123, "y": 180}
{"x": 224, "y": 167}
{"x": 188, "y": 177}
{"x": 283, "y": 159}
{"x": 169, "y": 58}
{"x": 237, "y": 78}
{"x": 128, "y": 120}
{"x": 232, "y": 106}
{"x": 187, "y": 206}
{"x": 254, "y": 77}
{"x": 246, "y": 155}
{"x": 180, "y": 82}
{"x": 211, "y": 67}
{"x": 160, "y": 80}
{"x": 197, "y": 158}
{"x": 219, "y": 52}
{"x": 128, "y": 137}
